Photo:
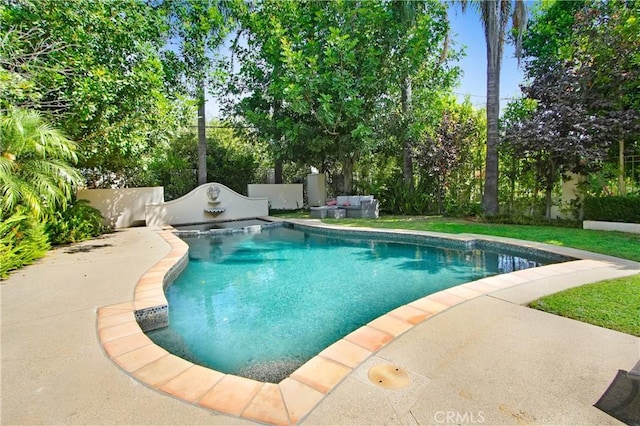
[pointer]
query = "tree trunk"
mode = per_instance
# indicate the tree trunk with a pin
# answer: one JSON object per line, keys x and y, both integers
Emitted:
{"x": 278, "y": 172}
{"x": 536, "y": 187}
{"x": 407, "y": 160}
{"x": 512, "y": 184}
{"x": 347, "y": 172}
{"x": 494, "y": 54}
{"x": 202, "y": 138}
{"x": 622, "y": 186}
{"x": 551, "y": 178}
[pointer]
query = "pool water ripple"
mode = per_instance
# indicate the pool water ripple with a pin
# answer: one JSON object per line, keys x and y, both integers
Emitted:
{"x": 261, "y": 305}
{"x": 291, "y": 400}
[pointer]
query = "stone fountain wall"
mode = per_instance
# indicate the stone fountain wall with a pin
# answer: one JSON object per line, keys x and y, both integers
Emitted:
{"x": 207, "y": 203}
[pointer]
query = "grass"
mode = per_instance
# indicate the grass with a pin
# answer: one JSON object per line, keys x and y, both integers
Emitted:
{"x": 613, "y": 304}
{"x": 618, "y": 244}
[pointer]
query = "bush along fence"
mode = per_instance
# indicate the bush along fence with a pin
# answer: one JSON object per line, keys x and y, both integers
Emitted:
{"x": 612, "y": 209}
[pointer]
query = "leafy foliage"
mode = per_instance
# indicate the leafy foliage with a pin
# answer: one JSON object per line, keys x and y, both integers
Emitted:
{"x": 21, "y": 56}
{"x": 233, "y": 161}
{"x": 397, "y": 198}
{"x": 521, "y": 175}
{"x": 450, "y": 159}
{"x": 34, "y": 164}
{"x": 584, "y": 87}
{"x": 22, "y": 240}
{"x": 612, "y": 209}
{"x": 315, "y": 77}
{"x": 79, "y": 221}
{"x": 103, "y": 81}
{"x": 199, "y": 27}
{"x": 549, "y": 33}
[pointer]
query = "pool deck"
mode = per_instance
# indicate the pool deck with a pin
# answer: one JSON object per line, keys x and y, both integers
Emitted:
{"x": 71, "y": 353}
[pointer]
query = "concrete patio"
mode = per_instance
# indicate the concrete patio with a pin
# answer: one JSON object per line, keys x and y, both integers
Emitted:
{"x": 488, "y": 360}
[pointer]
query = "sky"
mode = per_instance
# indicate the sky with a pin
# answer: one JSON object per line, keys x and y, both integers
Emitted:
{"x": 467, "y": 32}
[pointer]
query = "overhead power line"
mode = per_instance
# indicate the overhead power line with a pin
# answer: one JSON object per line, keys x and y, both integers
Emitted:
{"x": 482, "y": 96}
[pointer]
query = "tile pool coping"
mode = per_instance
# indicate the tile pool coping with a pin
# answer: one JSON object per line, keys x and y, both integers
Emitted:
{"x": 292, "y": 399}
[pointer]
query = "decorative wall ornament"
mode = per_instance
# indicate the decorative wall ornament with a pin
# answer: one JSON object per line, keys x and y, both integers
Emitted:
{"x": 212, "y": 192}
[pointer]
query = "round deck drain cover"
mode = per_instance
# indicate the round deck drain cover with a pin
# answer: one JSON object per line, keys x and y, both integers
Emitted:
{"x": 389, "y": 376}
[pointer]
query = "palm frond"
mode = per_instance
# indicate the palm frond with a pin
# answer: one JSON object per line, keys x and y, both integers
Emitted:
{"x": 35, "y": 163}
{"x": 519, "y": 23}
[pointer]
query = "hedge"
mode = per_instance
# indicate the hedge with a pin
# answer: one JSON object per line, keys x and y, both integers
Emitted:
{"x": 612, "y": 209}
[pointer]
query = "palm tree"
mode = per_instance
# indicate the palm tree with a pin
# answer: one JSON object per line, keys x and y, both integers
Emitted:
{"x": 35, "y": 158}
{"x": 495, "y": 17}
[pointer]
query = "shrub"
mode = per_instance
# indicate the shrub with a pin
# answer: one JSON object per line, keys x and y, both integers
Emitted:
{"x": 454, "y": 209}
{"x": 78, "y": 222}
{"x": 530, "y": 220}
{"x": 612, "y": 209}
{"x": 396, "y": 198}
{"x": 22, "y": 240}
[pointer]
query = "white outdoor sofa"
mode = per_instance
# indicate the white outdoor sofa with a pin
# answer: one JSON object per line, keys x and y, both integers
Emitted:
{"x": 351, "y": 206}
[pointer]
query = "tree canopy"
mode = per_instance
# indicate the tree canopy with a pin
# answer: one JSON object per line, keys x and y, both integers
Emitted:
{"x": 315, "y": 77}
{"x": 101, "y": 80}
{"x": 582, "y": 61}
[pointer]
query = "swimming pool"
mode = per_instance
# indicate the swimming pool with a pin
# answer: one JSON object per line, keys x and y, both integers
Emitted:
{"x": 260, "y": 305}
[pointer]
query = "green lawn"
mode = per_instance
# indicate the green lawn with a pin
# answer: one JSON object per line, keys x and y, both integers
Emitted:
{"x": 617, "y": 244}
{"x": 613, "y": 304}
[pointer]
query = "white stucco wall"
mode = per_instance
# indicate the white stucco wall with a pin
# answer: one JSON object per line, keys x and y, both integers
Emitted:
{"x": 122, "y": 207}
{"x": 280, "y": 196}
{"x": 316, "y": 189}
{"x": 191, "y": 207}
{"x": 570, "y": 193}
{"x": 611, "y": 226}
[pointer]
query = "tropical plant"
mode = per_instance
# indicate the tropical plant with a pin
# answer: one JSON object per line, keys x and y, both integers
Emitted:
{"x": 22, "y": 240}
{"x": 35, "y": 170}
{"x": 78, "y": 221}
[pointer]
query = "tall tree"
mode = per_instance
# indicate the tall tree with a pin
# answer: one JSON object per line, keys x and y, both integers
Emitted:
{"x": 103, "y": 81}
{"x": 199, "y": 27}
{"x": 583, "y": 57}
{"x": 317, "y": 76}
{"x": 258, "y": 84}
{"x": 561, "y": 135}
{"x": 421, "y": 32}
{"x": 495, "y": 15}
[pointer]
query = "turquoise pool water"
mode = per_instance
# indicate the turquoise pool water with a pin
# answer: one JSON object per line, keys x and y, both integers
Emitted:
{"x": 260, "y": 305}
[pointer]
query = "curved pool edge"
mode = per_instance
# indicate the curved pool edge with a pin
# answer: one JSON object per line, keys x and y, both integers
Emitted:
{"x": 295, "y": 397}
